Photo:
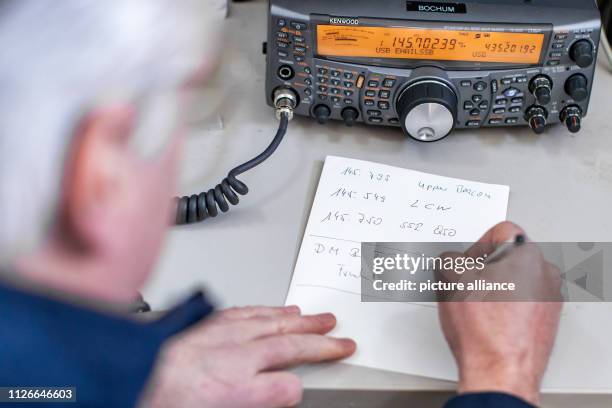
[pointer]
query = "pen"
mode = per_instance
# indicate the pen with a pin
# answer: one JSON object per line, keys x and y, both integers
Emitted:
{"x": 506, "y": 247}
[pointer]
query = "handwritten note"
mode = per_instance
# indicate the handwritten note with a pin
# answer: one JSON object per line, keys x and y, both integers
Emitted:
{"x": 361, "y": 201}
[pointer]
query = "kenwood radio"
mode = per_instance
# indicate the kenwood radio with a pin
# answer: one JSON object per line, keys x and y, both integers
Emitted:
{"x": 432, "y": 66}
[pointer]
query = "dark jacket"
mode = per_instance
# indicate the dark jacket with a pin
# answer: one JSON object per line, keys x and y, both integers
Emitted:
{"x": 108, "y": 359}
{"x": 487, "y": 400}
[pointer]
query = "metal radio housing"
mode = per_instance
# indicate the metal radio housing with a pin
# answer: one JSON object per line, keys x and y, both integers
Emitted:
{"x": 430, "y": 97}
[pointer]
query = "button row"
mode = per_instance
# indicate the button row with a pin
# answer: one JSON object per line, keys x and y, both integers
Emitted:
{"x": 383, "y": 94}
{"x": 504, "y": 101}
{"x": 335, "y": 99}
{"x": 296, "y": 25}
{"x": 498, "y": 121}
{"x": 378, "y": 120}
{"x": 384, "y": 105}
{"x": 386, "y": 83}
{"x": 335, "y": 91}
{"x": 518, "y": 80}
{"x": 479, "y": 86}
{"x": 469, "y": 105}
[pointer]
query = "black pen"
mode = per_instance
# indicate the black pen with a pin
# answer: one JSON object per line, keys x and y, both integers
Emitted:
{"x": 506, "y": 247}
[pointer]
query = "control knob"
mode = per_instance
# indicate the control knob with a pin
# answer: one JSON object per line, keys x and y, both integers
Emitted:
{"x": 536, "y": 116}
{"x": 322, "y": 113}
{"x": 572, "y": 117}
{"x": 350, "y": 115}
{"x": 582, "y": 53}
{"x": 427, "y": 109}
{"x": 541, "y": 88}
{"x": 577, "y": 87}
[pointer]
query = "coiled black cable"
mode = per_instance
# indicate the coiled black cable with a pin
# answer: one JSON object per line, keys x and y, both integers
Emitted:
{"x": 197, "y": 208}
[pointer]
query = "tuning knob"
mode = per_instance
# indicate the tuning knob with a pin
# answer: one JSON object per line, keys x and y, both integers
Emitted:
{"x": 577, "y": 87}
{"x": 582, "y": 53}
{"x": 428, "y": 110}
{"x": 541, "y": 88}
{"x": 350, "y": 115}
{"x": 572, "y": 117}
{"x": 537, "y": 116}
{"x": 322, "y": 113}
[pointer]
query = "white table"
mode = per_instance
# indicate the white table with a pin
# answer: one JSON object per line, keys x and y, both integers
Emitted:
{"x": 561, "y": 189}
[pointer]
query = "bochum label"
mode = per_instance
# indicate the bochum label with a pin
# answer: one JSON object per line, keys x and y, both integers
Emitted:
{"x": 430, "y": 7}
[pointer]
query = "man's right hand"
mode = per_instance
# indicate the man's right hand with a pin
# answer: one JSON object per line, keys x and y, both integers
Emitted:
{"x": 236, "y": 359}
{"x": 505, "y": 346}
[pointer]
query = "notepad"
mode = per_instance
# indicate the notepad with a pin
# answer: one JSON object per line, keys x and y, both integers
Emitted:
{"x": 359, "y": 201}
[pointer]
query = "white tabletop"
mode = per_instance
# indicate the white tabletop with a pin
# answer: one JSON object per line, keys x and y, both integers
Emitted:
{"x": 561, "y": 187}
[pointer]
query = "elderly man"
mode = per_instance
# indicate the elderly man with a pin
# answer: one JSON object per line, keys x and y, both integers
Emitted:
{"x": 93, "y": 97}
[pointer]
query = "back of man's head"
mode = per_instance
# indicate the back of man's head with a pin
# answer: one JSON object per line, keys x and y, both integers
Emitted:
{"x": 58, "y": 60}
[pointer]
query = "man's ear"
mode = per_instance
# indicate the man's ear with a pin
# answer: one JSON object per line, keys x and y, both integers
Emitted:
{"x": 95, "y": 176}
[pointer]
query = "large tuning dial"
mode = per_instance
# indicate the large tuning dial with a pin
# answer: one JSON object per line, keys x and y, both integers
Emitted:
{"x": 428, "y": 110}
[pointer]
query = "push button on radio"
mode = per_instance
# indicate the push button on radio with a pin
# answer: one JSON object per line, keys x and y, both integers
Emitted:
{"x": 298, "y": 26}
{"x": 480, "y": 86}
{"x": 511, "y": 92}
{"x": 389, "y": 83}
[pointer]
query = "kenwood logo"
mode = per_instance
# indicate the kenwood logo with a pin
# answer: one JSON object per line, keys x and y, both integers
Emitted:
{"x": 343, "y": 20}
{"x": 430, "y": 7}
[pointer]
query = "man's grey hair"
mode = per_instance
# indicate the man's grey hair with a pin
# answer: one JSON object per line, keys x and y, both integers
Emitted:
{"x": 58, "y": 58}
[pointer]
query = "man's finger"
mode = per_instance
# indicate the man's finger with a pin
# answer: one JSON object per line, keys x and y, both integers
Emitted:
{"x": 242, "y": 331}
{"x": 292, "y": 350}
{"x": 257, "y": 311}
{"x": 496, "y": 236}
{"x": 275, "y": 390}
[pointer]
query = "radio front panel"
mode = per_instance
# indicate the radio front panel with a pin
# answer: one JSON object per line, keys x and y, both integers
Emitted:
{"x": 397, "y": 72}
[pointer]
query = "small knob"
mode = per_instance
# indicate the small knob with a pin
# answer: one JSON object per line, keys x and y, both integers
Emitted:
{"x": 322, "y": 113}
{"x": 537, "y": 116}
{"x": 582, "y": 53}
{"x": 350, "y": 115}
{"x": 541, "y": 88}
{"x": 577, "y": 87}
{"x": 572, "y": 117}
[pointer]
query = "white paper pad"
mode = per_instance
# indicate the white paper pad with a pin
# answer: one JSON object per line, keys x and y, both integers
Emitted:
{"x": 359, "y": 201}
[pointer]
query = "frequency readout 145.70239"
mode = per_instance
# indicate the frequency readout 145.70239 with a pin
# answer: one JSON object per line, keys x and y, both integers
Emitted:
{"x": 434, "y": 44}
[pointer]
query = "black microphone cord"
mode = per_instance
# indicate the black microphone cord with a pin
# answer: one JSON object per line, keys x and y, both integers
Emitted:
{"x": 197, "y": 208}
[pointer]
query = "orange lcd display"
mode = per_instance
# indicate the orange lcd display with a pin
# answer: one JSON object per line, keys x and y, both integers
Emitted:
{"x": 429, "y": 44}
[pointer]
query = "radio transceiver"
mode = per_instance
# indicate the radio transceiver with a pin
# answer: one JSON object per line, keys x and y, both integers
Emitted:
{"x": 425, "y": 66}
{"x": 432, "y": 66}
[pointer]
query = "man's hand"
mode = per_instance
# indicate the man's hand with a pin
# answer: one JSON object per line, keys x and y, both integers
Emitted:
{"x": 505, "y": 346}
{"x": 236, "y": 359}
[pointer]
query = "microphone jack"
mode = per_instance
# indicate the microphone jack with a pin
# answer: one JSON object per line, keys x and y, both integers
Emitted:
{"x": 285, "y": 102}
